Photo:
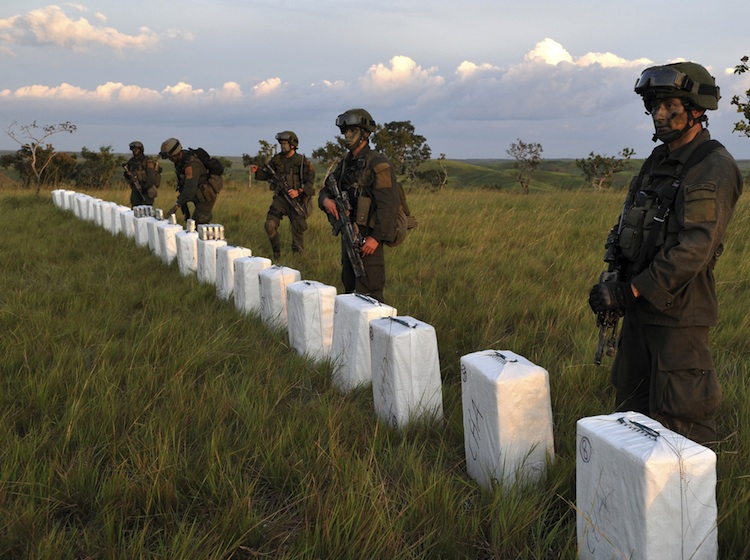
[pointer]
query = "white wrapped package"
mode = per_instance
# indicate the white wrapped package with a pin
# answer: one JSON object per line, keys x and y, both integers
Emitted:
{"x": 405, "y": 370}
{"x": 643, "y": 491}
{"x": 507, "y": 418}
{"x": 187, "y": 251}
{"x": 207, "y": 259}
{"x": 141, "y": 230}
{"x": 246, "y": 283}
{"x": 68, "y": 200}
{"x": 79, "y": 204}
{"x": 350, "y": 345}
{"x": 91, "y": 205}
{"x": 153, "y": 235}
{"x": 167, "y": 233}
{"x": 117, "y": 211}
{"x": 127, "y": 223}
{"x": 57, "y": 198}
{"x": 108, "y": 215}
{"x": 273, "y": 282}
{"x": 225, "y": 257}
{"x": 310, "y": 312}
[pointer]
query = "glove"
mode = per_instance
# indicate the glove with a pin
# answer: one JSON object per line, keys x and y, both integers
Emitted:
{"x": 606, "y": 296}
{"x": 171, "y": 211}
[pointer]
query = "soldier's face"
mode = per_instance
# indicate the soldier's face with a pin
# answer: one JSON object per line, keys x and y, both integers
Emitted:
{"x": 285, "y": 146}
{"x": 352, "y": 136}
{"x": 668, "y": 115}
{"x": 136, "y": 151}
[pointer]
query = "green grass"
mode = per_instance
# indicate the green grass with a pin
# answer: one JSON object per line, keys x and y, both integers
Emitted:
{"x": 142, "y": 417}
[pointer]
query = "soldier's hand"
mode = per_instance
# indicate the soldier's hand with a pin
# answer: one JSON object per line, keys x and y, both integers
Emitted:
{"x": 331, "y": 208}
{"x": 606, "y": 296}
{"x": 254, "y": 168}
{"x": 369, "y": 246}
{"x": 294, "y": 193}
{"x": 171, "y": 211}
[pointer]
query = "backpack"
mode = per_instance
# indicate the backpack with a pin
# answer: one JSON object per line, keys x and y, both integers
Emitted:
{"x": 157, "y": 171}
{"x": 212, "y": 165}
{"x": 404, "y": 221}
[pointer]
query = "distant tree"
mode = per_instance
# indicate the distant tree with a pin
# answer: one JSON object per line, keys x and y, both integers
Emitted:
{"x": 226, "y": 162}
{"x": 435, "y": 179}
{"x": 60, "y": 169}
{"x": 528, "y": 156}
{"x": 405, "y": 149}
{"x": 600, "y": 170}
{"x": 265, "y": 153}
{"x": 98, "y": 169}
{"x": 37, "y": 157}
{"x": 332, "y": 152}
{"x": 742, "y": 102}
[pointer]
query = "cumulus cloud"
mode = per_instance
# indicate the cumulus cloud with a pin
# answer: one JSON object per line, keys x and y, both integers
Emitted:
{"x": 403, "y": 74}
{"x": 267, "y": 87}
{"x": 551, "y": 52}
{"x": 51, "y": 26}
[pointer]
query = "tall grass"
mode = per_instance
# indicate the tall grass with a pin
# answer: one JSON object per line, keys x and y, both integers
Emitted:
{"x": 142, "y": 417}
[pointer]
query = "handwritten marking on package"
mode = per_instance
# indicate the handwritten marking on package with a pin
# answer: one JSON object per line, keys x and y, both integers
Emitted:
{"x": 475, "y": 429}
{"x": 584, "y": 448}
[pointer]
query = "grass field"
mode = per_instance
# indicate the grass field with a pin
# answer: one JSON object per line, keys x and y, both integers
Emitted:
{"x": 142, "y": 417}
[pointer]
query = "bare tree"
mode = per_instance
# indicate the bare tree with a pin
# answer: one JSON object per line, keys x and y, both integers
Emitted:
{"x": 528, "y": 156}
{"x": 32, "y": 138}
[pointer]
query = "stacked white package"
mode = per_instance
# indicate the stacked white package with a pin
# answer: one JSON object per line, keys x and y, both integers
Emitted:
{"x": 108, "y": 215}
{"x": 90, "y": 212}
{"x": 79, "y": 205}
{"x": 405, "y": 370}
{"x": 273, "y": 283}
{"x": 187, "y": 249}
{"x": 127, "y": 226}
{"x": 167, "y": 231}
{"x": 153, "y": 234}
{"x": 350, "y": 345}
{"x": 207, "y": 259}
{"x": 246, "y": 283}
{"x": 643, "y": 491}
{"x": 117, "y": 212}
{"x": 225, "y": 257}
{"x": 57, "y": 198}
{"x": 141, "y": 230}
{"x": 98, "y": 205}
{"x": 310, "y": 312}
{"x": 507, "y": 413}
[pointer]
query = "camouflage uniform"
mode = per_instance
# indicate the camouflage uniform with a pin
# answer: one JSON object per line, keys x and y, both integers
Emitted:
{"x": 663, "y": 367}
{"x": 370, "y": 175}
{"x": 300, "y": 175}
{"x": 193, "y": 186}
{"x": 142, "y": 167}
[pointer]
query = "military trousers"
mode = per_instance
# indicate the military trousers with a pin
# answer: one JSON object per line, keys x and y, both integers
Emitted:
{"x": 667, "y": 373}
{"x": 373, "y": 282}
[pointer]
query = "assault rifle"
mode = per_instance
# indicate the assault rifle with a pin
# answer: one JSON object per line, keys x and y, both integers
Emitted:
{"x": 608, "y": 321}
{"x": 280, "y": 186}
{"x": 136, "y": 184}
{"x": 349, "y": 231}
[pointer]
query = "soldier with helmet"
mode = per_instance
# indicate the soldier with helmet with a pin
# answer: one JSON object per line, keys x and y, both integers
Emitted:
{"x": 666, "y": 246}
{"x": 292, "y": 178}
{"x": 194, "y": 184}
{"x": 140, "y": 173}
{"x": 368, "y": 179}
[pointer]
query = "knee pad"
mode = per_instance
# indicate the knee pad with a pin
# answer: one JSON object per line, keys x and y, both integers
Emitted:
{"x": 271, "y": 227}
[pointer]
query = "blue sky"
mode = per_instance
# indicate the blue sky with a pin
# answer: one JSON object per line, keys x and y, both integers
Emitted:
{"x": 472, "y": 76}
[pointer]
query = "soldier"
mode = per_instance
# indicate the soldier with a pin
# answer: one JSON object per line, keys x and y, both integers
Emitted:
{"x": 193, "y": 182}
{"x": 666, "y": 288}
{"x": 292, "y": 178}
{"x": 367, "y": 177}
{"x": 140, "y": 173}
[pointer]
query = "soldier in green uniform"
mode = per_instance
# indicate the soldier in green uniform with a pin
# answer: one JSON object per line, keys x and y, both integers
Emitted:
{"x": 292, "y": 178}
{"x": 194, "y": 184}
{"x": 663, "y": 367}
{"x": 141, "y": 176}
{"x": 368, "y": 179}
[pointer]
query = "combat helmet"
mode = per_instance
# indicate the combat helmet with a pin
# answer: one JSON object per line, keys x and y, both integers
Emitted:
{"x": 135, "y": 144}
{"x": 169, "y": 147}
{"x": 356, "y": 117}
{"x": 289, "y": 136}
{"x": 687, "y": 80}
